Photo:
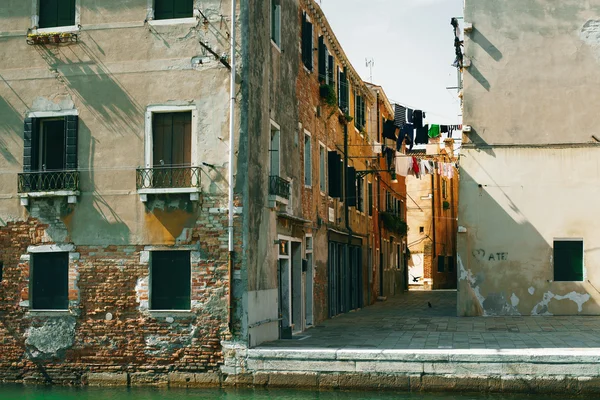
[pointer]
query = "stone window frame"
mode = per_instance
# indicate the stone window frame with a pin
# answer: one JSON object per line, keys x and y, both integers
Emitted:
{"x": 273, "y": 42}
{"x": 73, "y": 274}
{"x": 310, "y": 172}
{"x": 143, "y": 287}
{"x": 323, "y": 171}
{"x": 174, "y": 21}
{"x": 35, "y": 20}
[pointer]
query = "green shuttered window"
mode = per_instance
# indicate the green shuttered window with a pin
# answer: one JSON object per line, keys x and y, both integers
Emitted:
{"x": 307, "y": 42}
{"x": 170, "y": 9}
{"x": 55, "y": 13}
{"x": 335, "y": 174}
{"x": 170, "y": 280}
{"x": 49, "y": 281}
{"x": 568, "y": 260}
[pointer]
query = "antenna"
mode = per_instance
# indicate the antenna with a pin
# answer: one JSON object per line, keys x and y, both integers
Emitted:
{"x": 370, "y": 63}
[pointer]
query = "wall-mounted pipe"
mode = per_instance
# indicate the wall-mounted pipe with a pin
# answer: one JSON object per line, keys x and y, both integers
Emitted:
{"x": 231, "y": 160}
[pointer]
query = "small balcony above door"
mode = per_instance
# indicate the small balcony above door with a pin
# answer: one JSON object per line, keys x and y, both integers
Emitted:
{"x": 168, "y": 180}
{"x": 279, "y": 191}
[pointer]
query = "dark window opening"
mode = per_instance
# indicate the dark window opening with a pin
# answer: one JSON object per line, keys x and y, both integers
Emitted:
{"x": 450, "y": 264}
{"x": 1, "y": 270}
{"x": 170, "y": 9}
{"x": 421, "y": 229}
{"x": 50, "y": 281}
{"x": 307, "y": 42}
{"x": 51, "y": 145}
{"x": 170, "y": 280}
{"x": 56, "y": 13}
{"x": 351, "y": 186}
{"x": 359, "y": 112}
{"x": 276, "y": 21}
{"x": 335, "y": 174}
{"x": 441, "y": 262}
{"x": 172, "y": 149}
{"x": 370, "y": 194}
{"x": 568, "y": 260}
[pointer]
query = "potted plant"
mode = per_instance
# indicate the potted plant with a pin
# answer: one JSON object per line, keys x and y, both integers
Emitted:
{"x": 327, "y": 93}
{"x": 345, "y": 118}
{"x": 394, "y": 223}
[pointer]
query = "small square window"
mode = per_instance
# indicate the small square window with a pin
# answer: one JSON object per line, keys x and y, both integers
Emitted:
{"x": 49, "y": 281}
{"x": 170, "y": 280}
{"x": 56, "y": 13}
{"x": 441, "y": 262}
{"x": 568, "y": 260}
{"x": 171, "y": 9}
{"x": 421, "y": 229}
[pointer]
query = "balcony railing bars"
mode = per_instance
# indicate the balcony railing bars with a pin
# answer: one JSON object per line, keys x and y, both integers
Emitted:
{"x": 279, "y": 187}
{"x": 168, "y": 177}
{"x": 31, "y": 182}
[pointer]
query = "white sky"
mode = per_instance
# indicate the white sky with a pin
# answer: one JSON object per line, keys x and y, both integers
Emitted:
{"x": 412, "y": 43}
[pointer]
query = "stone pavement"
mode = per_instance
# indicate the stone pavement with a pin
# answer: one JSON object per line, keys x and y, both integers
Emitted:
{"x": 407, "y": 322}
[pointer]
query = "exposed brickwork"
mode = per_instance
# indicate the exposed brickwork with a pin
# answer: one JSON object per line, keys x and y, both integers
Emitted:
{"x": 108, "y": 329}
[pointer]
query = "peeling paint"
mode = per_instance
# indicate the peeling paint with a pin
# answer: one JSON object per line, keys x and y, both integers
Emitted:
{"x": 531, "y": 290}
{"x": 514, "y": 300}
{"x": 590, "y": 35}
{"x": 468, "y": 276}
{"x": 141, "y": 293}
{"x": 541, "y": 308}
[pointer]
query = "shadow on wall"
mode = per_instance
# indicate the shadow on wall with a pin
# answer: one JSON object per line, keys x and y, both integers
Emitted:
{"x": 94, "y": 220}
{"x": 11, "y": 130}
{"x": 170, "y": 220}
{"x": 97, "y": 88}
{"x": 477, "y": 37}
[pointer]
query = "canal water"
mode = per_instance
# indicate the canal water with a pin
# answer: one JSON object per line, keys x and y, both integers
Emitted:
{"x": 64, "y": 393}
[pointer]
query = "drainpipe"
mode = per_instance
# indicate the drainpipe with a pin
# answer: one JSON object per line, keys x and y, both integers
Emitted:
{"x": 433, "y": 192}
{"x": 231, "y": 160}
{"x": 346, "y": 208}
{"x": 380, "y": 261}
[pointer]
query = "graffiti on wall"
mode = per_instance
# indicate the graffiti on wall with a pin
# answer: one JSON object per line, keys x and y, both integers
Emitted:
{"x": 482, "y": 255}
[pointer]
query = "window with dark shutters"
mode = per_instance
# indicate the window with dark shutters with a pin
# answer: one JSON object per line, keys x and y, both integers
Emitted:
{"x": 49, "y": 281}
{"x": 330, "y": 69}
{"x": 441, "y": 262}
{"x": 307, "y": 42}
{"x": 343, "y": 90}
{"x": 30, "y": 147}
{"x": 71, "y": 129}
{"x": 171, "y": 9}
{"x": 351, "y": 186}
{"x": 335, "y": 176}
{"x": 50, "y": 144}
{"x": 170, "y": 280}
{"x": 359, "y": 112}
{"x": 568, "y": 260}
{"x": 322, "y": 60}
{"x": 56, "y": 13}
{"x": 370, "y": 194}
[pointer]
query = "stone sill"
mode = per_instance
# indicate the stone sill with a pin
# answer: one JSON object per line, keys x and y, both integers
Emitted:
{"x": 58, "y": 29}
{"x": 173, "y": 21}
{"x": 193, "y": 192}
{"x": 49, "y": 313}
{"x": 171, "y": 313}
{"x": 71, "y": 195}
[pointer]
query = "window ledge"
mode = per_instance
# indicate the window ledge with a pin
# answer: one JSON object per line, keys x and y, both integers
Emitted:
{"x": 193, "y": 192}
{"x": 49, "y": 313}
{"x": 174, "y": 21}
{"x": 71, "y": 195}
{"x": 171, "y": 313}
{"x": 58, "y": 29}
{"x": 276, "y": 46}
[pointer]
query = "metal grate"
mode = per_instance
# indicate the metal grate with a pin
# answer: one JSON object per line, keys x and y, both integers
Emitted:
{"x": 30, "y": 182}
{"x": 279, "y": 187}
{"x": 168, "y": 177}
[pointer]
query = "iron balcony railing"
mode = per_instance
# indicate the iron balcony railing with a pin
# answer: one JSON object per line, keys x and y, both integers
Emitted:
{"x": 30, "y": 182}
{"x": 168, "y": 177}
{"x": 279, "y": 187}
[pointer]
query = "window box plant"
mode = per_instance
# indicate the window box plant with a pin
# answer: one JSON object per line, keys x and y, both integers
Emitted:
{"x": 327, "y": 93}
{"x": 51, "y": 38}
{"x": 394, "y": 223}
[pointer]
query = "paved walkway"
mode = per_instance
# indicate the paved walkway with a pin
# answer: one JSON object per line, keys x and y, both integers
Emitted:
{"x": 407, "y": 322}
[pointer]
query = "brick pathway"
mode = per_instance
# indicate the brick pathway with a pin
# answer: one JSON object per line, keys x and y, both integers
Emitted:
{"x": 407, "y": 322}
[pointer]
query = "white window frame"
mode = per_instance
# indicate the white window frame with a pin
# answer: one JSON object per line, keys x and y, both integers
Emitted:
{"x": 149, "y": 144}
{"x": 35, "y": 20}
{"x": 273, "y": 42}
{"x": 175, "y": 21}
{"x": 323, "y": 171}
{"x": 310, "y": 183}
{"x": 276, "y": 127}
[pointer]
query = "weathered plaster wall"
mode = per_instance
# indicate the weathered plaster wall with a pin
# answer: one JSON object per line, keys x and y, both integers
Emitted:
{"x": 514, "y": 202}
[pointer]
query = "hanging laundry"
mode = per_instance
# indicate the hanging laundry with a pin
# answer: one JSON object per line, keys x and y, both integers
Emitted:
{"x": 434, "y": 131}
{"x": 399, "y": 115}
{"x": 415, "y": 167}
{"x": 389, "y": 130}
{"x": 389, "y": 156}
{"x": 418, "y": 118}
{"x": 376, "y": 147}
{"x": 426, "y": 167}
{"x": 403, "y": 164}
{"x": 410, "y": 115}
{"x": 422, "y": 137}
{"x": 406, "y": 134}
{"x": 444, "y": 128}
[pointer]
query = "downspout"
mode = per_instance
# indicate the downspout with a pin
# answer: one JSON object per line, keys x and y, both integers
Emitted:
{"x": 231, "y": 160}
{"x": 433, "y": 191}
{"x": 346, "y": 208}
{"x": 379, "y": 206}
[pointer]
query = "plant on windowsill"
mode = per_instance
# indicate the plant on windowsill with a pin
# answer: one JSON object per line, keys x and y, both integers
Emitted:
{"x": 51, "y": 38}
{"x": 327, "y": 93}
{"x": 394, "y": 223}
{"x": 446, "y": 205}
{"x": 346, "y": 118}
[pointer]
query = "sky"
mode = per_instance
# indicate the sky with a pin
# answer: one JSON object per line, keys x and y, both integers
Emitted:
{"x": 412, "y": 45}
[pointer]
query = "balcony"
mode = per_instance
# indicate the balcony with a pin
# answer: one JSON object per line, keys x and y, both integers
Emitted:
{"x": 48, "y": 184}
{"x": 168, "y": 180}
{"x": 279, "y": 191}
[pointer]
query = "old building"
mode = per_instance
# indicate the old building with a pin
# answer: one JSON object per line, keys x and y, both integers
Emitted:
{"x": 432, "y": 218}
{"x": 117, "y": 252}
{"x": 528, "y": 232}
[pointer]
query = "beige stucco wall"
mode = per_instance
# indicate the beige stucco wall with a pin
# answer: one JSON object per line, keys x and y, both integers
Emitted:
{"x": 119, "y": 67}
{"x": 534, "y": 80}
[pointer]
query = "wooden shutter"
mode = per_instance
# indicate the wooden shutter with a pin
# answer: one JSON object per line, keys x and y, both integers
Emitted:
{"x": 66, "y": 13}
{"x": 183, "y": 8}
{"x": 351, "y": 186}
{"x": 48, "y": 13}
{"x": 50, "y": 281}
{"x": 163, "y": 9}
{"x": 30, "y": 147}
{"x": 330, "y": 69}
{"x": 441, "y": 261}
{"x": 322, "y": 60}
{"x": 335, "y": 174}
{"x": 170, "y": 280}
{"x": 71, "y": 133}
{"x": 568, "y": 260}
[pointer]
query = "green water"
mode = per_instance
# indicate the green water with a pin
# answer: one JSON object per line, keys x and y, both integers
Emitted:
{"x": 62, "y": 393}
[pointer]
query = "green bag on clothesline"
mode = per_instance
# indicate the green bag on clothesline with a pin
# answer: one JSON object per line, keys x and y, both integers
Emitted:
{"x": 434, "y": 131}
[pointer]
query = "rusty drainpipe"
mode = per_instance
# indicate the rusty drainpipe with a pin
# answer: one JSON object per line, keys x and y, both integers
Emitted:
{"x": 231, "y": 160}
